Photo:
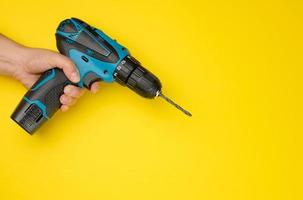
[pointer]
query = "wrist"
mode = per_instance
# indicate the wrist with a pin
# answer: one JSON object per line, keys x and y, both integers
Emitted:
{"x": 11, "y": 56}
{"x": 18, "y": 61}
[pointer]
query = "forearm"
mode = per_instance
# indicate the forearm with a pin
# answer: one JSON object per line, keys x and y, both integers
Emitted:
{"x": 10, "y": 55}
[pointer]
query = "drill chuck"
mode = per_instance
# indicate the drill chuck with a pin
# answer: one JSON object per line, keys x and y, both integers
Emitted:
{"x": 130, "y": 73}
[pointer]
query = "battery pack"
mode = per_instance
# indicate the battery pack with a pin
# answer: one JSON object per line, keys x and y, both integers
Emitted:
{"x": 28, "y": 116}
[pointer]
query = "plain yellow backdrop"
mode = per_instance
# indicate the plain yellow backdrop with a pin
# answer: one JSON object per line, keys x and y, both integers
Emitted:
{"x": 236, "y": 65}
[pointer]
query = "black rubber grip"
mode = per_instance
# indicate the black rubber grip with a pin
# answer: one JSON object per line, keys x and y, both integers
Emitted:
{"x": 41, "y": 101}
{"x": 48, "y": 90}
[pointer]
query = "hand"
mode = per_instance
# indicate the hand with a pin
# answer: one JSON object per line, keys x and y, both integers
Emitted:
{"x": 37, "y": 61}
{"x": 26, "y": 65}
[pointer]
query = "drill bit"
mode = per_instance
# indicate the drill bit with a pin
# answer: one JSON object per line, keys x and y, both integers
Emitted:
{"x": 160, "y": 94}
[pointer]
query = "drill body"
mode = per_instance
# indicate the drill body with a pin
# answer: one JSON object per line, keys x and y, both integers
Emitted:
{"x": 97, "y": 57}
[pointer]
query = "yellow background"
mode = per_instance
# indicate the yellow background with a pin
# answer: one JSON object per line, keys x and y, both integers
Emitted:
{"x": 236, "y": 65}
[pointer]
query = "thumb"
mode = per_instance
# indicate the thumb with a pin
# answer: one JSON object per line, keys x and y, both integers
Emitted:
{"x": 69, "y": 68}
{"x": 39, "y": 60}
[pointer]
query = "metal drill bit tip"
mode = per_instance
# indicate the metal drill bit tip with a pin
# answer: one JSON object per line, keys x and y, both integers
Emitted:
{"x": 160, "y": 94}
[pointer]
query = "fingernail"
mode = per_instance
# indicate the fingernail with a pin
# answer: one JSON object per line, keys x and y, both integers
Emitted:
{"x": 75, "y": 76}
{"x": 67, "y": 89}
{"x": 64, "y": 108}
{"x": 95, "y": 89}
{"x": 62, "y": 99}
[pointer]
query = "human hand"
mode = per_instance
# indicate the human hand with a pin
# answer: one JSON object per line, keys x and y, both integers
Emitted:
{"x": 36, "y": 61}
{"x": 27, "y": 64}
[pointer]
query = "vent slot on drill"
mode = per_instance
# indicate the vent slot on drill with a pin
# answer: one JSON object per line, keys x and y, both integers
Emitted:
{"x": 32, "y": 116}
{"x": 88, "y": 41}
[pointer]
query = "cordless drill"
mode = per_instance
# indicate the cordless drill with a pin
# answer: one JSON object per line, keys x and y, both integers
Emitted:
{"x": 98, "y": 58}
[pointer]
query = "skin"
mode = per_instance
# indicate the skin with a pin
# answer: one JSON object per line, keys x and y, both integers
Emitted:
{"x": 26, "y": 64}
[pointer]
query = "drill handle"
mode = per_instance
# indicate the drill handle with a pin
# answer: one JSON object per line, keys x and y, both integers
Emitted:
{"x": 41, "y": 101}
